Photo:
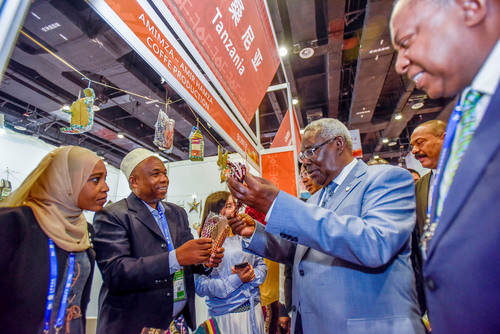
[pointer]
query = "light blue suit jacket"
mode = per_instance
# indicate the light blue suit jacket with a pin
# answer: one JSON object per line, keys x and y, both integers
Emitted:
{"x": 351, "y": 265}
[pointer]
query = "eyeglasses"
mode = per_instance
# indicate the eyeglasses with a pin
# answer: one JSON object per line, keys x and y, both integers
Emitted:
{"x": 309, "y": 153}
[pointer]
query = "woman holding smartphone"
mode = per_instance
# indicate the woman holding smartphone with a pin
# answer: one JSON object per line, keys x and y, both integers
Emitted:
{"x": 232, "y": 289}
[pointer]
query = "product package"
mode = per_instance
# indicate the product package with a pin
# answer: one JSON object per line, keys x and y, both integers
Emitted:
{"x": 164, "y": 132}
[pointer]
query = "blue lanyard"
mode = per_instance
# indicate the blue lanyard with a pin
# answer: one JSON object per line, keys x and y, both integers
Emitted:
{"x": 52, "y": 289}
{"x": 164, "y": 227}
{"x": 443, "y": 157}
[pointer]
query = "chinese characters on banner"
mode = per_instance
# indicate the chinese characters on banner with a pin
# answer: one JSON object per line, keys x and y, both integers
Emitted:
{"x": 144, "y": 31}
{"x": 236, "y": 41}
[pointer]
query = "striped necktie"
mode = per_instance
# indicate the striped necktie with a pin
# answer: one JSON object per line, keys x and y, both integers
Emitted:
{"x": 328, "y": 193}
{"x": 461, "y": 141}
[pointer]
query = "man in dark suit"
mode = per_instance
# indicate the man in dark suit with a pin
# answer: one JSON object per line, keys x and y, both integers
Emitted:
{"x": 426, "y": 142}
{"x": 447, "y": 48}
{"x": 146, "y": 252}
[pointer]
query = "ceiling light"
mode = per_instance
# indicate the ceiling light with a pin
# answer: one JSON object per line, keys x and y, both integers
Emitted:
{"x": 379, "y": 50}
{"x": 95, "y": 107}
{"x": 65, "y": 107}
{"x": 120, "y": 135}
{"x": 283, "y": 51}
{"x": 295, "y": 100}
{"x": 398, "y": 116}
{"x": 385, "y": 140}
{"x": 306, "y": 53}
{"x": 417, "y": 105}
{"x": 376, "y": 157}
{"x": 20, "y": 127}
{"x": 392, "y": 143}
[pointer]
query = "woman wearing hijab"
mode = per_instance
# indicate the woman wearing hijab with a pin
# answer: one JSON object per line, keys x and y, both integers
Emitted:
{"x": 46, "y": 256}
{"x": 232, "y": 294}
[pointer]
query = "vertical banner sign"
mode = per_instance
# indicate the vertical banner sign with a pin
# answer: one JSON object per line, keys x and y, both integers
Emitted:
{"x": 235, "y": 40}
{"x": 284, "y": 135}
{"x": 276, "y": 168}
{"x": 139, "y": 25}
{"x": 357, "y": 150}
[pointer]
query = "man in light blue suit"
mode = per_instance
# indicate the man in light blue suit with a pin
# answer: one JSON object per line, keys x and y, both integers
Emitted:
{"x": 349, "y": 244}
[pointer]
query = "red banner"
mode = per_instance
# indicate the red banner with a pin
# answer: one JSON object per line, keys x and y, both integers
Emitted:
{"x": 284, "y": 135}
{"x": 181, "y": 74}
{"x": 279, "y": 169}
{"x": 236, "y": 41}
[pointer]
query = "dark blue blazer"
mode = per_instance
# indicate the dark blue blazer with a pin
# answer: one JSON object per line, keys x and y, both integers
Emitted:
{"x": 25, "y": 271}
{"x": 462, "y": 271}
{"x": 132, "y": 255}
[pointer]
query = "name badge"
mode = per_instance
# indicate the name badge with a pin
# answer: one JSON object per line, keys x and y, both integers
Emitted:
{"x": 179, "y": 289}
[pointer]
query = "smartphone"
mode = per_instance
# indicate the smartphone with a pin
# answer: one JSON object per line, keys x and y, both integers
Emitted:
{"x": 241, "y": 265}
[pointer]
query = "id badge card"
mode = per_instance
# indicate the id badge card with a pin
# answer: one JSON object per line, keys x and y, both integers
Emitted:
{"x": 179, "y": 289}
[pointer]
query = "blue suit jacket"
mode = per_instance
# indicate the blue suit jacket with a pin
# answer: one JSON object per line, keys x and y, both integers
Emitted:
{"x": 351, "y": 266}
{"x": 462, "y": 271}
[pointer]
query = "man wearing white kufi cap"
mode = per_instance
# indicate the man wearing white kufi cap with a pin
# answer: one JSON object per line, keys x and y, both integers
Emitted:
{"x": 147, "y": 254}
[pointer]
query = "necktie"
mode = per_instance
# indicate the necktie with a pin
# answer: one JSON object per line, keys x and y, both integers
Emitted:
{"x": 328, "y": 193}
{"x": 461, "y": 141}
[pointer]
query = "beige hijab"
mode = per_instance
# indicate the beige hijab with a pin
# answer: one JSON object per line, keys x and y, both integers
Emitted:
{"x": 52, "y": 191}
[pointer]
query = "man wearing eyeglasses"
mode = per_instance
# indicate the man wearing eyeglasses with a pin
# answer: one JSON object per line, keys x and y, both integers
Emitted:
{"x": 349, "y": 244}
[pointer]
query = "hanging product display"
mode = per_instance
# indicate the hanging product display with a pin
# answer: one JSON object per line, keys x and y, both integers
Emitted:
{"x": 196, "y": 145}
{"x": 222, "y": 163}
{"x": 82, "y": 114}
{"x": 164, "y": 132}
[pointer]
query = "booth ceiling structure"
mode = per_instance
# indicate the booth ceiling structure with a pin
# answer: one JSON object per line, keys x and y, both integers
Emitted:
{"x": 340, "y": 64}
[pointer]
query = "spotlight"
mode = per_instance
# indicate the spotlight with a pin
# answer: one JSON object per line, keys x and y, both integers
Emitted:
{"x": 283, "y": 51}
{"x": 295, "y": 100}
{"x": 120, "y": 135}
{"x": 385, "y": 140}
{"x": 398, "y": 116}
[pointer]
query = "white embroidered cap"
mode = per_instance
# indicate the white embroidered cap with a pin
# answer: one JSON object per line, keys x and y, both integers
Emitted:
{"x": 132, "y": 159}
